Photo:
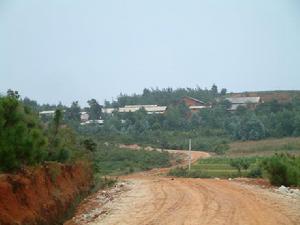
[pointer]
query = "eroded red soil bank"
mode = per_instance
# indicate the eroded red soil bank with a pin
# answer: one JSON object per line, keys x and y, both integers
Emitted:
{"x": 42, "y": 195}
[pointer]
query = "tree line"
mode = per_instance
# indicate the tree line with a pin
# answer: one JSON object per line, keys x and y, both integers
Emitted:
{"x": 210, "y": 128}
{"x": 26, "y": 140}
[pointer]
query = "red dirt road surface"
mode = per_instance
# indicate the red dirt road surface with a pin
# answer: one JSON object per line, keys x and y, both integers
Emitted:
{"x": 155, "y": 200}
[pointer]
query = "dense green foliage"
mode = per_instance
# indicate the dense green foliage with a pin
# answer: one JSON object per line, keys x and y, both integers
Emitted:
{"x": 25, "y": 140}
{"x": 94, "y": 110}
{"x": 21, "y": 136}
{"x": 240, "y": 163}
{"x": 63, "y": 142}
{"x": 165, "y": 96}
{"x": 211, "y": 129}
{"x": 283, "y": 169}
{"x": 72, "y": 114}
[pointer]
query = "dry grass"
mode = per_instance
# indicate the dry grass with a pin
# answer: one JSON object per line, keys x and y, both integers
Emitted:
{"x": 265, "y": 147}
{"x": 281, "y": 96}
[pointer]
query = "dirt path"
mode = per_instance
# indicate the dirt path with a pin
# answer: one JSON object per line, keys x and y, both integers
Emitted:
{"x": 163, "y": 201}
{"x": 156, "y": 200}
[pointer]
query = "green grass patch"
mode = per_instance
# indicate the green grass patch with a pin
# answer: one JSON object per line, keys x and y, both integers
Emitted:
{"x": 266, "y": 147}
{"x": 115, "y": 161}
{"x": 219, "y": 167}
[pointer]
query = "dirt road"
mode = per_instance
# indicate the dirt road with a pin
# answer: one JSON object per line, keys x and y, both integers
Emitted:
{"x": 156, "y": 200}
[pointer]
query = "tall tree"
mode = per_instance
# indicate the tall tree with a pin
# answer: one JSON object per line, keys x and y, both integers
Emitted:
{"x": 95, "y": 109}
{"x": 214, "y": 90}
{"x": 73, "y": 113}
{"x": 22, "y": 140}
{"x": 31, "y": 104}
{"x": 223, "y": 91}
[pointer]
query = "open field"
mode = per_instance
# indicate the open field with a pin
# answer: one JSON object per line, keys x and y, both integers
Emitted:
{"x": 116, "y": 161}
{"x": 265, "y": 147}
{"x": 253, "y": 151}
{"x": 219, "y": 167}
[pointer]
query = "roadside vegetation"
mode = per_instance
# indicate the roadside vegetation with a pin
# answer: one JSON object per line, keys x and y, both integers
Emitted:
{"x": 280, "y": 169}
{"x": 109, "y": 160}
{"x": 221, "y": 167}
{"x": 244, "y": 139}
{"x": 277, "y": 160}
{"x": 25, "y": 140}
{"x": 283, "y": 169}
{"x": 211, "y": 129}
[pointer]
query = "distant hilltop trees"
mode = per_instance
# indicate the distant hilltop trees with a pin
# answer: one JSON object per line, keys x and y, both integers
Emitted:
{"x": 167, "y": 117}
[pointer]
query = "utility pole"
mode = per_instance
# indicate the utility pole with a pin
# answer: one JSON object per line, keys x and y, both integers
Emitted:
{"x": 190, "y": 157}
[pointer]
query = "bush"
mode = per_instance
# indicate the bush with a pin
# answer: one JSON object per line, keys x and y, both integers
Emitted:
{"x": 283, "y": 169}
{"x": 255, "y": 172}
{"x": 89, "y": 144}
{"x": 63, "y": 144}
{"x": 22, "y": 141}
{"x": 240, "y": 163}
{"x": 220, "y": 149}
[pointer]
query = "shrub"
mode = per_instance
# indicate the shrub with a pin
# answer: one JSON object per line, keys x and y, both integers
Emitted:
{"x": 220, "y": 149}
{"x": 282, "y": 169}
{"x": 22, "y": 141}
{"x": 89, "y": 144}
{"x": 255, "y": 172}
{"x": 240, "y": 163}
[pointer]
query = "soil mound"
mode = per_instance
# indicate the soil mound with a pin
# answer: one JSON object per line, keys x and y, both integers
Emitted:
{"x": 42, "y": 195}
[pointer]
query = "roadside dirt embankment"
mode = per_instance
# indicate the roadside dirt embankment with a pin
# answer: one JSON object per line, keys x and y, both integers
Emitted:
{"x": 42, "y": 195}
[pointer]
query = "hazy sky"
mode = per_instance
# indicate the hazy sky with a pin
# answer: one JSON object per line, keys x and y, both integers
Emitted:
{"x": 52, "y": 50}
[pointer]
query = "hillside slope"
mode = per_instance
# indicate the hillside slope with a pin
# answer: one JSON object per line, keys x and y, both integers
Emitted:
{"x": 281, "y": 96}
{"x": 42, "y": 195}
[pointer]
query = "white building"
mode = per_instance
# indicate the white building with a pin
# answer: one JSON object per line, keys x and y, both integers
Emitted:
{"x": 84, "y": 116}
{"x": 100, "y": 122}
{"x": 47, "y": 112}
{"x": 150, "y": 109}
{"x": 248, "y": 102}
{"x": 108, "y": 110}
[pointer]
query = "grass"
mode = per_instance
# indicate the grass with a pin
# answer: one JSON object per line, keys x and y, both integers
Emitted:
{"x": 220, "y": 167}
{"x": 265, "y": 147}
{"x": 254, "y": 151}
{"x": 114, "y": 161}
{"x": 216, "y": 167}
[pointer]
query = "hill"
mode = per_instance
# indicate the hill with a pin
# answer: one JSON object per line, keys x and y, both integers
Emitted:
{"x": 267, "y": 96}
{"x": 169, "y": 96}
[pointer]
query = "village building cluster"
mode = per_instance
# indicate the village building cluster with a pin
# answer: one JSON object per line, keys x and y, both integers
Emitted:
{"x": 195, "y": 105}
